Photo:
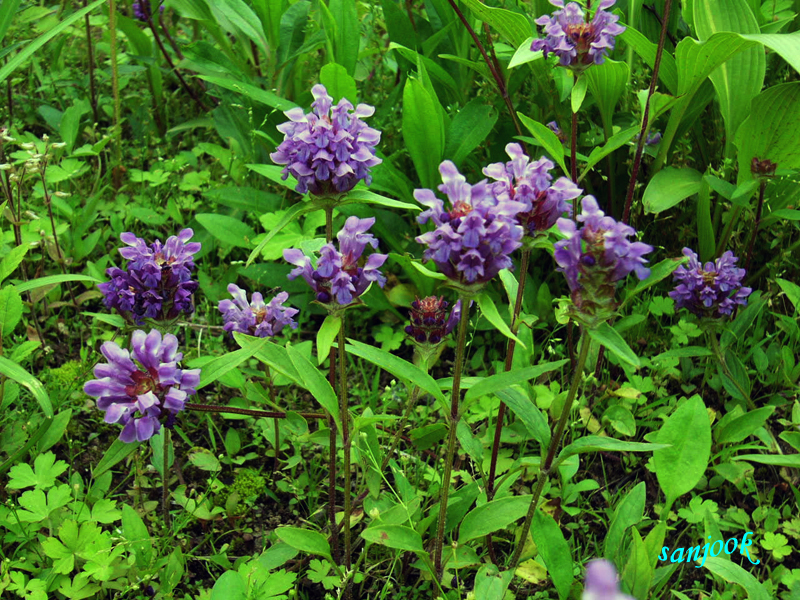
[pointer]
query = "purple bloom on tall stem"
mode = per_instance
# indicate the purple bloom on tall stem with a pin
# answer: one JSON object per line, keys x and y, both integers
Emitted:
{"x": 596, "y": 256}
{"x": 141, "y": 9}
{"x": 256, "y": 318}
{"x": 530, "y": 183}
{"x": 330, "y": 149}
{"x": 430, "y": 322}
{"x": 157, "y": 283}
{"x": 139, "y": 395}
{"x": 601, "y": 582}
{"x": 338, "y": 278}
{"x": 474, "y": 239}
{"x": 711, "y": 290}
{"x": 577, "y": 41}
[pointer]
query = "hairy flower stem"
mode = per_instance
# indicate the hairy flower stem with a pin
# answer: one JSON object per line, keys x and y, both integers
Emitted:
{"x": 637, "y": 160}
{"x": 112, "y": 26}
{"x": 276, "y": 420}
{"x": 412, "y": 402}
{"x": 451, "y": 441}
{"x": 573, "y": 166}
{"x": 346, "y": 442}
{"x": 165, "y": 480}
{"x": 90, "y": 56}
{"x": 555, "y": 442}
{"x": 720, "y": 356}
{"x": 753, "y": 235}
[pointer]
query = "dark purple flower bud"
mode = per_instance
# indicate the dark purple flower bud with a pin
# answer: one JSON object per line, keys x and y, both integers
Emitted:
{"x": 338, "y": 275}
{"x": 711, "y": 290}
{"x": 601, "y": 582}
{"x": 430, "y": 322}
{"x": 138, "y": 395}
{"x": 595, "y": 257}
{"x": 141, "y": 9}
{"x": 256, "y": 318}
{"x": 762, "y": 169}
{"x": 531, "y": 184}
{"x": 577, "y": 41}
{"x": 330, "y": 149}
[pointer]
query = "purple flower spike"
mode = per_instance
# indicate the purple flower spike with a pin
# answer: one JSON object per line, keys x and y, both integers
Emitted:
{"x": 338, "y": 278}
{"x": 578, "y": 42}
{"x": 472, "y": 241}
{"x": 601, "y": 582}
{"x": 256, "y": 318}
{"x": 139, "y": 396}
{"x": 157, "y": 283}
{"x": 711, "y": 290}
{"x": 141, "y": 9}
{"x": 596, "y": 256}
{"x": 429, "y": 320}
{"x": 530, "y": 183}
{"x": 328, "y": 150}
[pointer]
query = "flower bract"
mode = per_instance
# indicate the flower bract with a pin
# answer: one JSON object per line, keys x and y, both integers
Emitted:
{"x": 430, "y": 322}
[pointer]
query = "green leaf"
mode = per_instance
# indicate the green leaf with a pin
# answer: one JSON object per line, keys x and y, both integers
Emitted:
{"x": 578, "y": 93}
{"x": 792, "y": 291}
{"x": 217, "y": 367}
{"x": 7, "y": 11}
{"x": 304, "y": 540}
{"x": 425, "y": 65}
{"x": 397, "y": 367}
{"x": 744, "y": 426}
{"x": 135, "y": 532}
{"x": 290, "y": 215}
{"x": 229, "y": 231}
{"x": 113, "y": 320}
{"x": 21, "y": 57}
{"x": 514, "y": 27}
{"x": 500, "y": 381}
{"x": 658, "y": 272}
{"x": 362, "y": 196}
{"x": 10, "y": 310}
{"x": 628, "y": 513}
{"x": 669, "y": 187}
{"x": 55, "y": 431}
{"x": 490, "y": 583}
{"x": 733, "y": 573}
{"x": 489, "y": 311}
{"x": 338, "y": 83}
{"x": 681, "y": 466}
{"x": 51, "y": 279}
{"x": 607, "y": 83}
{"x": 615, "y": 141}
{"x": 791, "y": 461}
{"x": 230, "y": 586}
{"x": 706, "y": 243}
{"x": 524, "y": 54}
{"x": 555, "y": 551}
{"x": 315, "y": 382}
{"x": 547, "y": 139}
{"x": 326, "y": 335}
{"x": 422, "y": 132}
{"x": 347, "y": 37}
{"x": 42, "y": 476}
{"x": 116, "y": 452}
{"x": 13, "y": 371}
{"x": 12, "y": 260}
{"x": 70, "y": 122}
{"x": 668, "y": 71}
{"x": 492, "y": 516}
{"x": 597, "y": 443}
{"x": 527, "y": 412}
{"x": 468, "y": 129}
{"x": 638, "y": 573}
{"x": 398, "y": 537}
{"x": 611, "y": 339}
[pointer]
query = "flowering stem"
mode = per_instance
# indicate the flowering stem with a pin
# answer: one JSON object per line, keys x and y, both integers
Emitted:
{"x": 345, "y": 441}
{"x": 165, "y": 480}
{"x": 511, "y": 345}
{"x": 574, "y": 156}
{"x": 90, "y": 53}
{"x": 276, "y": 420}
{"x": 451, "y": 442}
{"x": 637, "y": 160}
{"x": 112, "y": 26}
{"x": 555, "y": 442}
{"x": 712, "y": 337}
{"x": 761, "y": 189}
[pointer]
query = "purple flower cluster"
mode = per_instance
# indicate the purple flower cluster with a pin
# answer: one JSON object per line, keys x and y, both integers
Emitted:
{"x": 338, "y": 277}
{"x": 529, "y": 182}
{"x": 652, "y": 138}
{"x": 601, "y": 582}
{"x": 578, "y": 42}
{"x": 256, "y": 318}
{"x": 429, "y": 320}
{"x": 712, "y": 290}
{"x": 472, "y": 241}
{"x": 141, "y": 9}
{"x": 157, "y": 283}
{"x": 596, "y": 256}
{"x": 153, "y": 389}
{"x": 328, "y": 150}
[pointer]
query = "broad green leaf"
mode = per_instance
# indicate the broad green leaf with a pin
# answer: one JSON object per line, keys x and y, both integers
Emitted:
{"x": 273, "y": 355}
{"x": 422, "y": 136}
{"x": 527, "y": 412}
{"x": 555, "y": 550}
{"x": 230, "y": 586}
{"x": 607, "y": 82}
{"x": 51, "y": 279}
{"x": 10, "y": 310}
{"x": 236, "y": 16}
{"x": 113, "y": 320}
{"x": 362, "y": 196}
{"x": 135, "y": 532}
{"x": 638, "y": 573}
{"x": 116, "y": 452}
{"x": 304, "y": 540}
{"x": 547, "y": 139}
{"x": 514, "y": 27}
{"x": 229, "y": 231}
{"x": 611, "y": 339}
{"x": 524, "y": 54}
{"x": 315, "y": 382}
{"x": 338, "y": 83}
{"x": 490, "y": 583}
{"x": 13, "y": 371}
{"x": 744, "y": 426}
{"x": 11, "y": 261}
{"x": 667, "y": 72}
{"x": 791, "y": 461}
{"x": 597, "y": 443}
{"x": 468, "y": 129}
{"x": 658, "y": 272}
{"x": 70, "y": 122}
{"x": 792, "y": 291}
{"x": 428, "y": 66}
{"x": 275, "y": 173}
{"x": 615, "y": 141}
{"x": 489, "y": 310}
{"x": 492, "y": 516}
{"x": 500, "y": 381}
{"x": 54, "y": 433}
{"x": 220, "y": 365}
{"x": 681, "y": 466}
{"x": 669, "y": 187}
{"x": 628, "y": 513}
{"x": 738, "y": 384}
{"x": 398, "y": 537}
{"x": 706, "y": 243}
{"x": 290, "y": 215}
{"x": 787, "y": 45}
{"x": 326, "y": 336}
{"x": 733, "y": 573}
{"x": 347, "y": 36}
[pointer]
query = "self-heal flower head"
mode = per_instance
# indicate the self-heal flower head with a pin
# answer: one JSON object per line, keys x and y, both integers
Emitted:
{"x": 596, "y": 256}
{"x": 339, "y": 279}
{"x": 330, "y": 149}
{"x": 474, "y": 239}
{"x": 141, "y": 9}
{"x": 256, "y": 318}
{"x": 156, "y": 283}
{"x": 711, "y": 290}
{"x": 578, "y": 42}
{"x": 530, "y": 183}
{"x": 430, "y": 322}
{"x": 139, "y": 395}
{"x": 601, "y": 582}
